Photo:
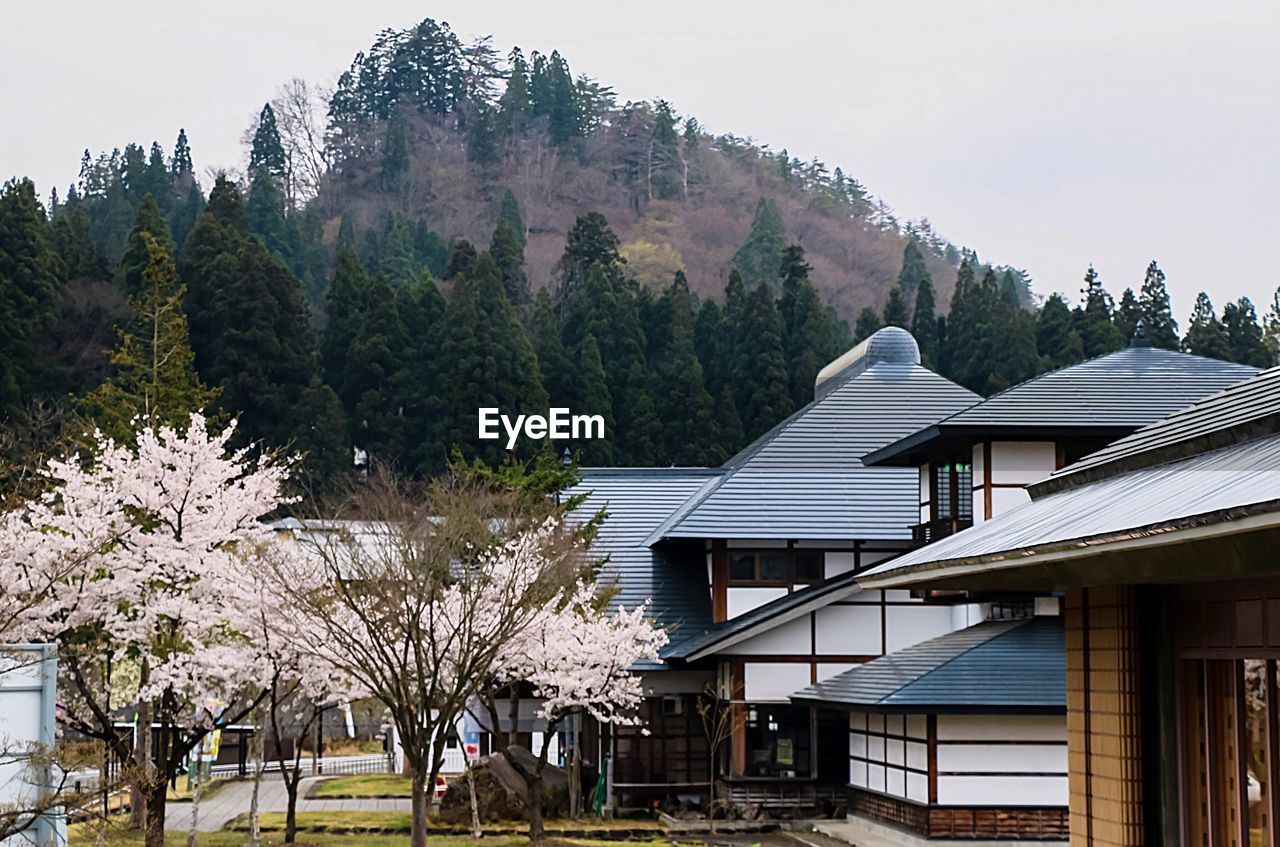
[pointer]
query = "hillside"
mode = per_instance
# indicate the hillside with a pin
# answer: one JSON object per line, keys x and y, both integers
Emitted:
{"x": 465, "y": 126}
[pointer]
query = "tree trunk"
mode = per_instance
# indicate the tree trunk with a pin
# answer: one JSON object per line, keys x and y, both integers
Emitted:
{"x": 259, "y": 765}
{"x": 476, "y": 832}
{"x": 536, "y": 830}
{"x": 291, "y": 783}
{"x": 420, "y": 806}
{"x": 156, "y": 790}
{"x": 197, "y": 782}
{"x": 141, "y": 765}
{"x": 513, "y": 716}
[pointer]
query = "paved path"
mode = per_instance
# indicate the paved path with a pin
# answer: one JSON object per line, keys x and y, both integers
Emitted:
{"x": 234, "y": 798}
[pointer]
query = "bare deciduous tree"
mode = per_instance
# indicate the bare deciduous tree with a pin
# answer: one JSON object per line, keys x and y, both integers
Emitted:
{"x": 416, "y": 598}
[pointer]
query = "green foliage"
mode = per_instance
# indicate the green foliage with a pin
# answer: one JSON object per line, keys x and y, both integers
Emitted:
{"x": 1098, "y": 333}
{"x": 808, "y": 330}
{"x": 508, "y": 252}
{"x": 592, "y": 393}
{"x": 686, "y": 410}
{"x": 1244, "y": 334}
{"x": 149, "y": 225}
{"x": 266, "y": 153}
{"x": 760, "y": 255}
{"x": 1157, "y": 313}
{"x": 1057, "y": 340}
{"x": 666, "y": 165}
{"x": 760, "y": 372}
{"x": 248, "y": 324}
{"x": 924, "y": 323}
{"x": 31, "y": 277}
{"x": 895, "y": 309}
{"x": 155, "y": 379}
{"x": 1128, "y": 313}
{"x": 509, "y": 214}
{"x": 868, "y": 323}
{"x": 914, "y": 272}
{"x": 1206, "y": 336}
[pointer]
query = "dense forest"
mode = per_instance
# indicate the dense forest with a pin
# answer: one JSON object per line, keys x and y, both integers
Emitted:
{"x": 451, "y": 228}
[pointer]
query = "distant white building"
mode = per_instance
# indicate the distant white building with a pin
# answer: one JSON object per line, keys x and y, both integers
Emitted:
{"x": 28, "y": 698}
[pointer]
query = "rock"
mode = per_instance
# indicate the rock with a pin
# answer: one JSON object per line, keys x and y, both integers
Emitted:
{"x": 501, "y": 792}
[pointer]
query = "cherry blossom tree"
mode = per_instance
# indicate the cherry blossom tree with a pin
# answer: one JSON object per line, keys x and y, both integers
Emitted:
{"x": 418, "y": 598}
{"x": 579, "y": 658}
{"x": 129, "y": 564}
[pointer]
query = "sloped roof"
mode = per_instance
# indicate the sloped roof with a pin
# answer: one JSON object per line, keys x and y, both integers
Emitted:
{"x": 1175, "y": 475}
{"x": 1245, "y": 410}
{"x": 1106, "y": 396}
{"x": 636, "y": 501}
{"x": 720, "y": 636}
{"x": 805, "y": 477}
{"x": 1016, "y": 666}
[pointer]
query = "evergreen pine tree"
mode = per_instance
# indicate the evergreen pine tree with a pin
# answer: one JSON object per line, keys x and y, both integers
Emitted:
{"x": 1206, "y": 335}
{"x": 266, "y": 153}
{"x": 924, "y": 322}
{"x": 709, "y": 340}
{"x": 1157, "y": 313}
{"x": 640, "y": 431}
{"x": 515, "y": 106}
{"x": 73, "y": 239}
{"x": 509, "y": 214}
{"x": 395, "y": 154}
{"x": 665, "y": 164}
{"x": 155, "y": 379}
{"x": 397, "y": 260}
{"x": 592, "y": 391}
{"x": 1244, "y": 334}
{"x": 1013, "y": 344}
{"x": 685, "y": 408}
{"x": 895, "y": 309}
{"x": 868, "y": 323}
{"x": 914, "y": 272}
{"x": 148, "y": 224}
{"x": 31, "y": 278}
{"x": 760, "y": 256}
{"x": 1128, "y": 313}
{"x": 367, "y": 384}
{"x": 1057, "y": 340}
{"x": 265, "y": 212}
{"x": 1093, "y": 320}
{"x": 422, "y": 378}
{"x": 430, "y": 249}
{"x": 248, "y": 323}
{"x": 508, "y": 252}
{"x": 559, "y": 376}
{"x": 760, "y": 374}
{"x": 729, "y": 422}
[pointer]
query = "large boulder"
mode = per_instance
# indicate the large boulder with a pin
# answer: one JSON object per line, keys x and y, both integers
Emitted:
{"x": 501, "y": 792}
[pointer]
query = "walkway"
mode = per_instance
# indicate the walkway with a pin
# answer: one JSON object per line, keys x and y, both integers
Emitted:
{"x": 233, "y": 799}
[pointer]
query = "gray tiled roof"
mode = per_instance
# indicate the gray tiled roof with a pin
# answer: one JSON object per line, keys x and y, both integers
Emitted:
{"x": 1202, "y": 489}
{"x": 805, "y": 477}
{"x": 636, "y": 501}
{"x": 1245, "y": 410}
{"x": 766, "y": 616}
{"x": 1004, "y": 666}
{"x": 1108, "y": 396}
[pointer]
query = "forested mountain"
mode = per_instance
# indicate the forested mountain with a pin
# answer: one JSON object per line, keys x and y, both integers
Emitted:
{"x": 452, "y": 228}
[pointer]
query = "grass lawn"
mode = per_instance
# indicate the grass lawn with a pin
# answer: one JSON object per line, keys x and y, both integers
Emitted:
{"x": 396, "y": 822}
{"x": 82, "y": 835}
{"x": 361, "y": 785}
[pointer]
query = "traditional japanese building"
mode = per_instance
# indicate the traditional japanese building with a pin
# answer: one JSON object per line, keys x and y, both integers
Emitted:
{"x": 976, "y": 464}
{"x": 751, "y": 565}
{"x": 1166, "y": 548}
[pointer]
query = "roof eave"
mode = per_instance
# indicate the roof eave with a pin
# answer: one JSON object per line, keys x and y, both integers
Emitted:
{"x": 976, "y": 571}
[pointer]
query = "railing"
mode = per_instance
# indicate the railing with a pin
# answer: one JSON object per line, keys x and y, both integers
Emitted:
{"x": 325, "y": 765}
{"x": 927, "y": 533}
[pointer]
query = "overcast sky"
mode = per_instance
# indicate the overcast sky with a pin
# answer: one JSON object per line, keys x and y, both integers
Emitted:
{"x": 1046, "y": 135}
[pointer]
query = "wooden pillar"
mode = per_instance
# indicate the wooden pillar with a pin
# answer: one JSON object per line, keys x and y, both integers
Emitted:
{"x": 719, "y": 581}
{"x": 1104, "y": 735}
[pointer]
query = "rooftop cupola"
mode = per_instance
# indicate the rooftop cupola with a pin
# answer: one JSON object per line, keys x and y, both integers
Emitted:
{"x": 1139, "y": 338}
{"x": 891, "y": 345}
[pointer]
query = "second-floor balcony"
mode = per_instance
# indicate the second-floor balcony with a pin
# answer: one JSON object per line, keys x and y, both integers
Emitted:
{"x": 927, "y": 533}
